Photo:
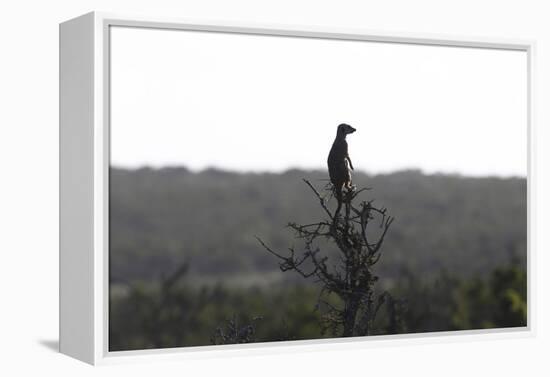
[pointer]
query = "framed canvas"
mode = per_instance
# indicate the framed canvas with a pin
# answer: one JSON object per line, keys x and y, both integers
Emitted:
{"x": 229, "y": 188}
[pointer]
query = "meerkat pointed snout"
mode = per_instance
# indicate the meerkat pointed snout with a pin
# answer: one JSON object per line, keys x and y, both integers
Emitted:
{"x": 345, "y": 129}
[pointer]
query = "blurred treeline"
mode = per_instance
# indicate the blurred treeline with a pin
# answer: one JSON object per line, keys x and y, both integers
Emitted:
{"x": 454, "y": 259}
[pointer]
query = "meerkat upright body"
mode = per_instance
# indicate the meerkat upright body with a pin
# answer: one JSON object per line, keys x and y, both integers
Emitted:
{"x": 339, "y": 163}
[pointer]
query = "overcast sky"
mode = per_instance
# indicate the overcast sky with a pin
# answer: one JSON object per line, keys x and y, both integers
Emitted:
{"x": 265, "y": 103}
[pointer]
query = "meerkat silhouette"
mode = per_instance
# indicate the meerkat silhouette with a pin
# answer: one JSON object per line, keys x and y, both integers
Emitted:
{"x": 339, "y": 163}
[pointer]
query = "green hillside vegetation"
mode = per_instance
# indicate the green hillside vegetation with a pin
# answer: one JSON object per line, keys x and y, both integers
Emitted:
{"x": 454, "y": 259}
{"x": 160, "y": 218}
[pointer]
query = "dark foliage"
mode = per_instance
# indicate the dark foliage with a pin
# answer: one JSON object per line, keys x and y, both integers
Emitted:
{"x": 235, "y": 332}
{"x": 140, "y": 319}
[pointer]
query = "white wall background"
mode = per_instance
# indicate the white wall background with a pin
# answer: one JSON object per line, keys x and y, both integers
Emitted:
{"x": 28, "y": 90}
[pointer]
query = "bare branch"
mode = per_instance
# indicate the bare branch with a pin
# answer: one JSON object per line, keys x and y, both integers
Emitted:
{"x": 321, "y": 199}
{"x": 269, "y": 249}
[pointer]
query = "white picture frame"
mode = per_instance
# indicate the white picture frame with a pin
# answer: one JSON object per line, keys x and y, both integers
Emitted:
{"x": 84, "y": 195}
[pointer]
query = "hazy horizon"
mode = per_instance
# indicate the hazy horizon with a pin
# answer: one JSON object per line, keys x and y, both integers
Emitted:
{"x": 312, "y": 169}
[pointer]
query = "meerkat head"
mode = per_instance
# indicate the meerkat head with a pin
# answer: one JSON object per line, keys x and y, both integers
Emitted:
{"x": 344, "y": 129}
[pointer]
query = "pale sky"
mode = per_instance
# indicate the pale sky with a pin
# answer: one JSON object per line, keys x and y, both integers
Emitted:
{"x": 267, "y": 103}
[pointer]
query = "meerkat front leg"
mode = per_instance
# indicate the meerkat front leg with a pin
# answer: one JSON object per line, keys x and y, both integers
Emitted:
{"x": 350, "y": 164}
